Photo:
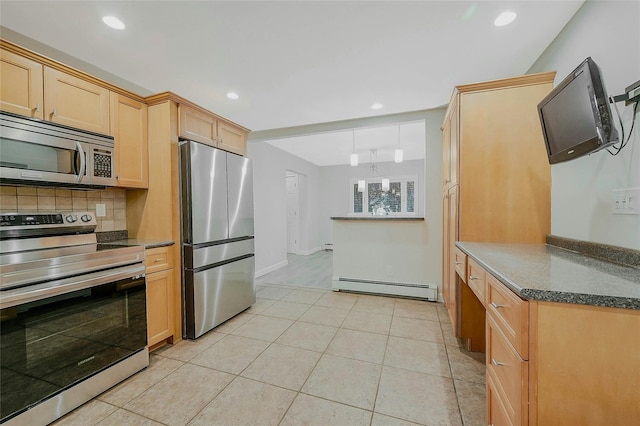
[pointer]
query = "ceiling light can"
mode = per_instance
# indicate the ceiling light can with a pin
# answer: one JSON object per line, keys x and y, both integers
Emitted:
{"x": 376, "y": 105}
{"x": 232, "y": 95}
{"x": 113, "y": 22}
{"x": 505, "y": 18}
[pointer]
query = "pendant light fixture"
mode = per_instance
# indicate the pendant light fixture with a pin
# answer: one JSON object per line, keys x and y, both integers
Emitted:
{"x": 385, "y": 184}
{"x": 398, "y": 153}
{"x": 373, "y": 173}
{"x": 354, "y": 156}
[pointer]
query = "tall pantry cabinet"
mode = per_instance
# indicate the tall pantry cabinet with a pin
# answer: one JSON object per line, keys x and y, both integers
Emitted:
{"x": 496, "y": 178}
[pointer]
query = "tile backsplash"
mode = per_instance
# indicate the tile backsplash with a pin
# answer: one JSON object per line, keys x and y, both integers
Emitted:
{"x": 51, "y": 200}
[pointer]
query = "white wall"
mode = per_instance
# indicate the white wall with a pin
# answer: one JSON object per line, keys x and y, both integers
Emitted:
{"x": 581, "y": 191}
{"x": 270, "y": 204}
{"x": 335, "y": 195}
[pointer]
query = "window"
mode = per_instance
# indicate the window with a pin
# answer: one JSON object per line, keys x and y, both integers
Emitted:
{"x": 400, "y": 199}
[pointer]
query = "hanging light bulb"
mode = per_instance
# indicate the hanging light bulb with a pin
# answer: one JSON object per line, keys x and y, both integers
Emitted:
{"x": 360, "y": 185}
{"x": 354, "y": 156}
{"x": 398, "y": 153}
{"x": 385, "y": 184}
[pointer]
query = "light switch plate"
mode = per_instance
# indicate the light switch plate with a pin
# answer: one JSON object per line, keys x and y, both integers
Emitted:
{"x": 626, "y": 201}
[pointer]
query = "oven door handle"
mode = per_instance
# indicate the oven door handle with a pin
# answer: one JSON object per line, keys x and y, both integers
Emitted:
{"x": 22, "y": 295}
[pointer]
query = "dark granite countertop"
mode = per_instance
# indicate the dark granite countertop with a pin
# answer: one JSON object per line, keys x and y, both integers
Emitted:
{"x": 372, "y": 217}
{"x": 148, "y": 244}
{"x": 548, "y": 273}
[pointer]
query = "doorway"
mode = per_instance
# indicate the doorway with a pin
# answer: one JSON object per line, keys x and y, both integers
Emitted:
{"x": 293, "y": 211}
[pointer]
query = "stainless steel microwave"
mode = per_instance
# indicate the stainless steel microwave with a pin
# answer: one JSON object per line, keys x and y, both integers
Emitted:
{"x": 37, "y": 152}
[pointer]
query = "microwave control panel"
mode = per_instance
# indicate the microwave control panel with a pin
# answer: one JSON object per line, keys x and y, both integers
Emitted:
{"x": 102, "y": 163}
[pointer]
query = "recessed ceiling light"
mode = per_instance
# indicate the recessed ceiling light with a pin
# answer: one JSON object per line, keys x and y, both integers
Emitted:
{"x": 113, "y": 22}
{"x": 376, "y": 105}
{"x": 505, "y": 18}
{"x": 232, "y": 95}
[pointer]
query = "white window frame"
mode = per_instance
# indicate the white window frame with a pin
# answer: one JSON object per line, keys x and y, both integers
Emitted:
{"x": 365, "y": 196}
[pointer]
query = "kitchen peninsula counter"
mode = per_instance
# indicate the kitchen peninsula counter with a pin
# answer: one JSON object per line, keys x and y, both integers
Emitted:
{"x": 548, "y": 273}
{"x": 380, "y": 218}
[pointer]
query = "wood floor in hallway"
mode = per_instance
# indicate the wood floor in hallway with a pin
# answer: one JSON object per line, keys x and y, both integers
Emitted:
{"x": 314, "y": 270}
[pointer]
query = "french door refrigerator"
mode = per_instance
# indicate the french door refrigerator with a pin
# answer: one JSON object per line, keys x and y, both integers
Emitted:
{"x": 217, "y": 236}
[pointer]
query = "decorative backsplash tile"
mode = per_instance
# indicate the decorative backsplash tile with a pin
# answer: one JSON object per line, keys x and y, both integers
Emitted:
{"x": 51, "y": 200}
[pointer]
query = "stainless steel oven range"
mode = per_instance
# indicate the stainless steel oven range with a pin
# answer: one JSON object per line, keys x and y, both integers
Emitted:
{"x": 72, "y": 315}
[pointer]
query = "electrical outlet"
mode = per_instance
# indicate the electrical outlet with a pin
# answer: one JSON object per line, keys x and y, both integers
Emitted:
{"x": 626, "y": 201}
{"x": 101, "y": 210}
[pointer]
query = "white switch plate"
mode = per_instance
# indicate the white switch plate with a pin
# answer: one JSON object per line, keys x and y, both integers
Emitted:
{"x": 101, "y": 210}
{"x": 626, "y": 201}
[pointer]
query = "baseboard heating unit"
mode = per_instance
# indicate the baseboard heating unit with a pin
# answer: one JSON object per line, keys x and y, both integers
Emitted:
{"x": 421, "y": 291}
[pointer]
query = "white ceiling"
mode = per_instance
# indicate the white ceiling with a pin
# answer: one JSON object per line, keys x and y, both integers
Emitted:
{"x": 299, "y": 62}
{"x": 334, "y": 148}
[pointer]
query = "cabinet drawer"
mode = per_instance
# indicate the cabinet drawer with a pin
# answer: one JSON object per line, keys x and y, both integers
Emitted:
{"x": 511, "y": 313}
{"x": 510, "y": 372}
{"x": 476, "y": 278}
{"x": 461, "y": 264}
{"x": 497, "y": 411}
{"x": 158, "y": 259}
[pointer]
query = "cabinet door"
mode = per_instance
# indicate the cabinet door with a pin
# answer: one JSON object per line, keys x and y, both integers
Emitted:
{"x": 21, "y": 85}
{"x": 75, "y": 102}
{"x": 446, "y": 154}
{"x": 159, "y": 306}
{"x": 450, "y": 147}
{"x": 454, "y": 145}
{"x": 129, "y": 128}
{"x": 452, "y": 236}
{"x": 197, "y": 126}
{"x": 446, "y": 289}
{"x": 232, "y": 138}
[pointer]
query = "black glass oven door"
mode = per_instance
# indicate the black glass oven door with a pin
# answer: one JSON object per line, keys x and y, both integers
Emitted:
{"x": 49, "y": 345}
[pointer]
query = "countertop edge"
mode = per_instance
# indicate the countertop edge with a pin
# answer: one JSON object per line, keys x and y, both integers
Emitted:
{"x": 379, "y": 218}
{"x": 556, "y": 296}
{"x": 147, "y": 244}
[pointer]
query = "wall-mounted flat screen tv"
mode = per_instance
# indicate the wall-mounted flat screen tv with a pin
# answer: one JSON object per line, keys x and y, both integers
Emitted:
{"x": 575, "y": 116}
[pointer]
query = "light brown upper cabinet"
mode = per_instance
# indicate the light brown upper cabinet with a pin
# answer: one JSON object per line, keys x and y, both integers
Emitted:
{"x": 198, "y": 126}
{"x": 450, "y": 147}
{"x": 21, "y": 88}
{"x": 75, "y": 102}
{"x": 129, "y": 128}
{"x": 231, "y": 138}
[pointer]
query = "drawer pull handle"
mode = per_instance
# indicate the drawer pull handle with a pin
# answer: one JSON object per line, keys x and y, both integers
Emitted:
{"x": 158, "y": 260}
{"x": 471, "y": 277}
{"x": 497, "y": 306}
{"x": 497, "y": 363}
{"x": 459, "y": 263}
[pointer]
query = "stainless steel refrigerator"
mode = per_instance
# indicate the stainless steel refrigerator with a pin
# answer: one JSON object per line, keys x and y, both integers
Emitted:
{"x": 217, "y": 236}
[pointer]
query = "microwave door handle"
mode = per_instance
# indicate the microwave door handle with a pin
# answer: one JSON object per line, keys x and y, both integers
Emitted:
{"x": 83, "y": 162}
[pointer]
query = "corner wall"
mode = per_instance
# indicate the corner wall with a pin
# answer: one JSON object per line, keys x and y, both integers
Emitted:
{"x": 581, "y": 189}
{"x": 270, "y": 165}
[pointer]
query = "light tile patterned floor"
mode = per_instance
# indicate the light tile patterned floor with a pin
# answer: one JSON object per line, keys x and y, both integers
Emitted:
{"x": 306, "y": 356}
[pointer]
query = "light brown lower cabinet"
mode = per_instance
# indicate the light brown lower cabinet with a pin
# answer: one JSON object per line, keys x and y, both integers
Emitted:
{"x": 550, "y": 363}
{"x": 160, "y": 291}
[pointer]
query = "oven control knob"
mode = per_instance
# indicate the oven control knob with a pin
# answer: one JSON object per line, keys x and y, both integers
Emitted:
{"x": 86, "y": 218}
{"x": 71, "y": 218}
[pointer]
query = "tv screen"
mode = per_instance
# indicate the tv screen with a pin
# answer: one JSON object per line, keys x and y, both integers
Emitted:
{"x": 575, "y": 116}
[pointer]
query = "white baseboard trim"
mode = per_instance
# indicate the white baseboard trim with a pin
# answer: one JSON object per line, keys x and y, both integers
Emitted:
{"x": 422, "y": 291}
{"x": 308, "y": 252}
{"x": 271, "y": 268}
